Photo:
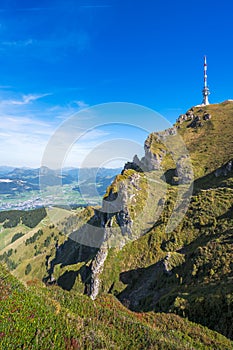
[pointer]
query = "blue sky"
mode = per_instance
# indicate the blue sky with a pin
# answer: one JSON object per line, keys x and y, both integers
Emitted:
{"x": 57, "y": 57}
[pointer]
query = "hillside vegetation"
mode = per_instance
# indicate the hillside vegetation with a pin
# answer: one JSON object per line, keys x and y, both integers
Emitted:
{"x": 33, "y": 318}
{"x": 210, "y": 145}
{"x": 153, "y": 273}
{"x": 190, "y": 270}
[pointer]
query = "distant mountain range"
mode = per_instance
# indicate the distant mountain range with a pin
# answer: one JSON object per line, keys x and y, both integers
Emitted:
{"x": 5, "y": 170}
{"x": 13, "y": 180}
{"x": 24, "y": 188}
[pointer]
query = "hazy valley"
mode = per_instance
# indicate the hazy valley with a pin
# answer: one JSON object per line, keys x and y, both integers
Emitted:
{"x": 21, "y": 188}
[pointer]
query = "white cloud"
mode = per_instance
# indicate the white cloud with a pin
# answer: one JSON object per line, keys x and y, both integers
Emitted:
{"x": 26, "y": 99}
{"x": 23, "y": 141}
{"x": 25, "y": 129}
{"x": 18, "y": 43}
{"x": 44, "y": 48}
{"x": 81, "y": 104}
{"x": 4, "y": 134}
{"x": 14, "y": 123}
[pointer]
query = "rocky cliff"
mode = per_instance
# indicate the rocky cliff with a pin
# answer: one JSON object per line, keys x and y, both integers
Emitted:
{"x": 135, "y": 200}
{"x": 187, "y": 270}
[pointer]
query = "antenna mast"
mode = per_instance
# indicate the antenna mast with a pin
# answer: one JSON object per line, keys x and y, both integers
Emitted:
{"x": 205, "y": 91}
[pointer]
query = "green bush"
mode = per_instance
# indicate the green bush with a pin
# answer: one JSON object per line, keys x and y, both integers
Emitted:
{"x": 47, "y": 242}
{"x": 16, "y": 236}
{"x": 28, "y": 269}
{"x": 33, "y": 239}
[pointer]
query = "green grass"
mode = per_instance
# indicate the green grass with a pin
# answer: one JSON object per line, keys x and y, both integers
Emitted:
{"x": 6, "y": 234}
{"x": 199, "y": 254}
{"x": 199, "y": 249}
{"x": 35, "y": 318}
{"x": 211, "y": 145}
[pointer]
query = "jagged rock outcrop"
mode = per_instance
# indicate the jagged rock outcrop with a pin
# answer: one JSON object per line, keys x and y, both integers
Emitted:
{"x": 167, "y": 268}
{"x": 151, "y": 161}
{"x": 196, "y": 122}
{"x": 115, "y": 207}
{"x": 97, "y": 266}
{"x": 155, "y": 149}
{"x": 207, "y": 116}
{"x": 189, "y": 115}
{"x": 123, "y": 194}
{"x": 134, "y": 165}
{"x": 153, "y": 158}
{"x": 183, "y": 172}
{"x": 195, "y": 119}
{"x": 129, "y": 208}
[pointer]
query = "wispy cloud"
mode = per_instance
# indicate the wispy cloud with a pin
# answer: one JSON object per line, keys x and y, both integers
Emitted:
{"x": 44, "y": 48}
{"x": 17, "y": 43}
{"x": 22, "y": 122}
{"x": 27, "y": 125}
{"x": 81, "y": 104}
{"x": 26, "y": 99}
{"x": 23, "y": 140}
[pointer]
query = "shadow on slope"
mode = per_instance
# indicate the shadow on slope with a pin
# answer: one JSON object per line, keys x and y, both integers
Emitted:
{"x": 194, "y": 282}
{"x": 221, "y": 177}
{"x": 68, "y": 254}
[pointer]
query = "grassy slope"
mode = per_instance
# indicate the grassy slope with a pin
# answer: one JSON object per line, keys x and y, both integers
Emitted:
{"x": 16, "y": 221}
{"x": 34, "y": 250}
{"x": 6, "y": 234}
{"x": 211, "y": 145}
{"x": 35, "y": 318}
{"x": 199, "y": 253}
{"x": 200, "y": 249}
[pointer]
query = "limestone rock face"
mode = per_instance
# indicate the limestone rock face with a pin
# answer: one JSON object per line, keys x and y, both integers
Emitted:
{"x": 196, "y": 122}
{"x": 151, "y": 161}
{"x": 183, "y": 174}
{"x": 154, "y": 152}
{"x": 115, "y": 207}
{"x": 117, "y": 212}
{"x": 96, "y": 269}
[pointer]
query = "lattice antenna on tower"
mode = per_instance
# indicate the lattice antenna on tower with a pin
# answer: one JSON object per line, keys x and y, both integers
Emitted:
{"x": 205, "y": 91}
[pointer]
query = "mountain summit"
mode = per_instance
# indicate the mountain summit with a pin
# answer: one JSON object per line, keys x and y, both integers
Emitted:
{"x": 130, "y": 253}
